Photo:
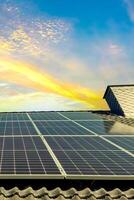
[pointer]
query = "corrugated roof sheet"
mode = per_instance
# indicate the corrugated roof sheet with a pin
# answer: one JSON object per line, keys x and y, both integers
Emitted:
{"x": 58, "y": 194}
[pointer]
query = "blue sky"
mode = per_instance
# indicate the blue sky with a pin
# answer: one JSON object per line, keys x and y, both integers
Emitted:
{"x": 77, "y": 45}
{"x": 87, "y": 13}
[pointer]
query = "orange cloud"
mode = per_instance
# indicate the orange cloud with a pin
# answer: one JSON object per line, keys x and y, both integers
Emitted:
{"x": 29, "y": 76}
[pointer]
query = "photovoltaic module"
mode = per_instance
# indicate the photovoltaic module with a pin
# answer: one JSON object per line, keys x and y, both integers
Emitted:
{"x": 66, "y": 145}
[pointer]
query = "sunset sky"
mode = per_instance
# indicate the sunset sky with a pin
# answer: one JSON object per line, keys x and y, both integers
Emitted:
{"x": 62, "y": 54}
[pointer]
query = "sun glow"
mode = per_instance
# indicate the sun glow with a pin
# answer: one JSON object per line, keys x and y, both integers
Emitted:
{"x": 29, "y": 76}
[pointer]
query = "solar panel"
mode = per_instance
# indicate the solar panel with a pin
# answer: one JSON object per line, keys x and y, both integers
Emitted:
{"x": 17, "y": 128}
{"x": 96, "y": 163}
{"x": 108, "y": 127}
{"x": 61, "y": 128}
{"x": 25, "y": 155}
{"x": 13, "y": 116}
{"x": 125, "y": 142}
{"x": 79, "y": 143}
{"x": 81, "y": 115}
{"x": 46, "y": 116}
{"x": 66, "y": 145}
{"x": 89, "y": 156}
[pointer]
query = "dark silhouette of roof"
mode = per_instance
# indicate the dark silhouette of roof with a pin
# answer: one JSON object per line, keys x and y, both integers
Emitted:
{"x": 109, "y": 86}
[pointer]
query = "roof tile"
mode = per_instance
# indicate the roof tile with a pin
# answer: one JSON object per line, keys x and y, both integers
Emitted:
{"x": 58, "y": 194}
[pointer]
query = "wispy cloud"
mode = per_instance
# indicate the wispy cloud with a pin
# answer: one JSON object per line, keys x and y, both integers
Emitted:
{"x": 31, "y": 36}
{"x": 41, "y": 54}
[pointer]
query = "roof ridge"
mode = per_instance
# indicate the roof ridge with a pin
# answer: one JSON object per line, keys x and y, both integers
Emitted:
{"x": 54, "y": 193}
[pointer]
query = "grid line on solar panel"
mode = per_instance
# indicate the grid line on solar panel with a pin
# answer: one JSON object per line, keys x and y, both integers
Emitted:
{"x": 101, "y": 136}
{"x": 79, "y": 143}
{"x": 112, "y": 136}
{"x": 81, "y": 115}
{"x": 49, "y": 120}
{"x": 45, "y": 116}
{"x": 55, "y": 120}
{"x": 104, "y": 127}
{"x": 100, "y": 162}
{"x": 25, "y": 155}
{"x": 107, "y": 127}
{"x": 92, "y": 148}
{"x": 78, "y": 158}
{"x": 26, "y": 158}
{"x": 48, "y": 148}
{"x": 39, "y": 157}
{"x": 75, "y": 122}
{"x": 90, "y": 120}
{"x": 61, "y": 128}
{"x": 13, "y": 117}
{"x": 17, "y": 128}
{"x": 125, "y": 142}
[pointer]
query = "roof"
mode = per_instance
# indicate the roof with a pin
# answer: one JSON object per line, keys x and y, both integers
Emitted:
{"x": 66, "y": 189}
{"x": 59, "y": 194}
{"x": 109, "y": 86}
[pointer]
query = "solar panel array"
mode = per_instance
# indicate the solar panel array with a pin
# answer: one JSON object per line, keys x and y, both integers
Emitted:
{"x": 66, "y": 145}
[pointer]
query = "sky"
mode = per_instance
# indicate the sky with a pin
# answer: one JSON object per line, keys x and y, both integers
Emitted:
{"x": 62, "y": 54}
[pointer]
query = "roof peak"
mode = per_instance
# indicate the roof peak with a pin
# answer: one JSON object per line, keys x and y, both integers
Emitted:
{"x": 119, "y": 85}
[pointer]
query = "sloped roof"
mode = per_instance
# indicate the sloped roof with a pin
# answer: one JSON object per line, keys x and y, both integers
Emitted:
{"x": 59, "y": 194}
{"x": 109, "y": 116}
{"x": 109, "y": 86}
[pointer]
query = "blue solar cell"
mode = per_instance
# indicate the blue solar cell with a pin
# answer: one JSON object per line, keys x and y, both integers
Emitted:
{"x": 81, "y": 115}
{"x": 91, "y": 156}
{"x": 26, "y": 155}
{"x": 123, "y": 141}
{"x": 45, "y": 116}
{"x": 61, "y": 128}
{"x": 17, "y": 128}
{"x": 82, "y": 144}
{"x": 13, "y": 116}
{"x": 108, "y": 127}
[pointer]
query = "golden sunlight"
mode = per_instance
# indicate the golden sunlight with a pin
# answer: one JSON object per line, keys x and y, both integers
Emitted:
{"x": 29, "y": 76}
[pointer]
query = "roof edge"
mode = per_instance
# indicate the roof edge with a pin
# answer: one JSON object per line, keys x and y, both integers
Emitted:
{"x": 120, "y": 85}
{"x": 58, "y": 192}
